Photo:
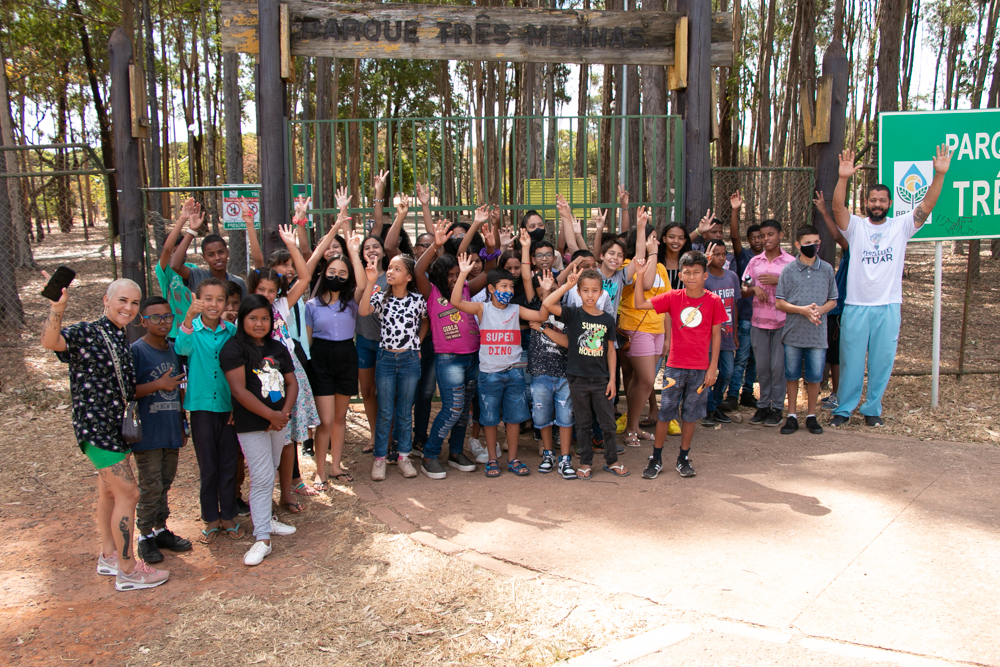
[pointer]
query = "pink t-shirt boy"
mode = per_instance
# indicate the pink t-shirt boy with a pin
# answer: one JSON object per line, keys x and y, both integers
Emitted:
{"x": 765, "y": 313}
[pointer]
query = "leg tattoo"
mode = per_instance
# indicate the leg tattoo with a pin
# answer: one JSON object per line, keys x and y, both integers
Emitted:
{"x": 123, "y": 526}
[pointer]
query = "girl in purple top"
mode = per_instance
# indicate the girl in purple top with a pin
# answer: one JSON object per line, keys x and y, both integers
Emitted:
{"x": 456, "y": 346}
{"x": 331, "y": 318}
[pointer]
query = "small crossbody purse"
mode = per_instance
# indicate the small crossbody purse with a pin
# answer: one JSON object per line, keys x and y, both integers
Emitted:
{"x": 131, "y": 424}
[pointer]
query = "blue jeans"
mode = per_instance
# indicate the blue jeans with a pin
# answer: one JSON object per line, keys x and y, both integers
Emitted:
{"x": 501, "y": 396}
{"x": 425, "y": 391}
{"x": 813, "y": 358}
{"x": 457, "y": 377}
{"x": 726, "y": 361}
{"x": 396, "y": 378}
{"x": 550, "y": 402}
{"x": 744, "y": 366}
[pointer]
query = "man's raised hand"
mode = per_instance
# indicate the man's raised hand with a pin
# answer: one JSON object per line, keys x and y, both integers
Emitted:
{"x": 942, "y": 159}
{"x": 847, "y": 167}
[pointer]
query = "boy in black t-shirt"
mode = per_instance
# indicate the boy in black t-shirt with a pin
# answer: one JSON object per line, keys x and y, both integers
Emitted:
{"x": 590, "y": 367}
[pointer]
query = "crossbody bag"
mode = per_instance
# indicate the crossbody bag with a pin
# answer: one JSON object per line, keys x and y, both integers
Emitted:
{"x": 131, "y": 424}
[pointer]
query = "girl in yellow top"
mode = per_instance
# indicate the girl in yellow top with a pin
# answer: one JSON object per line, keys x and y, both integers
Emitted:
{"x": 644, "y": 328}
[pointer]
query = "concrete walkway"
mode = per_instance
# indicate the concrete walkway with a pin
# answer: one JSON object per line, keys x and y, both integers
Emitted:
{"x": 862, "y": 539}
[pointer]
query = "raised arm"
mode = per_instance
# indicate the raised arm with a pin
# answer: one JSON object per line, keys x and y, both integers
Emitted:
{"x": 482, "y": 214}
{"x": 424, "y": 197}
{"x": 847, "y": 169}
{"x": 248, "y": 219}
{"x": 189, "y": 208}
{"x": 736, "y": 201}
{"x": 354, "y": 251}
{"x": 177, "y": 259}
{"x": 441, "y": 234}
{"x": 378, "y": 201}
{"x": 490, "y": 238}
{"x": 566, "y": 224}
{"x": 470, "y": 307}
{"x": 942, "y": 162}
{"x": 553, "y": 302}
{"x": 296, "y": 291}
{"x": 820, "y": 203}
{"x": 300, "y": 218}
{"x": 704, "y": 225}
{"x": 645, "y": 248}
{"x": 639, "y": 296}
{"x": 392, "y": 236}
{"x": 529, "y": 288}
{"x": 365, "y": 306}
{"x": 52, "y": 338}
{"x": 598, "y": 221}
{"x": 623, "y": 201}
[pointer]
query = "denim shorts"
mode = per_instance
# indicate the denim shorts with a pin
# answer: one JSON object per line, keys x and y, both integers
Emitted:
{"x": 550, "y": 402}
{"x": 813, "y": 358}
{"x": 501, "y": 397}
{"x": 683, "y": 394}
{"x": 367, "y": 352}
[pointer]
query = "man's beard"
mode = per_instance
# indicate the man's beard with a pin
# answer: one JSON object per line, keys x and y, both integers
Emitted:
{"x": 876, "y": 217}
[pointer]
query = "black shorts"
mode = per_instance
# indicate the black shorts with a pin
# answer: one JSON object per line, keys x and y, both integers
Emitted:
{"x": 833, "y": 340}
{"x": 335, "y": 367}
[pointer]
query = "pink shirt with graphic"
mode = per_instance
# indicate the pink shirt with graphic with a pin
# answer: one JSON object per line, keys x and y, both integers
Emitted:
{"x": 453, "y": 331}
{"x": 766, "y": 315}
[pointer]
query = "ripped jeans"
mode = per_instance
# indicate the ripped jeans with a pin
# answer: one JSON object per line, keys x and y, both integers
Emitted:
{"x": 550, "y": 402}
{"x": 457, "y": 378}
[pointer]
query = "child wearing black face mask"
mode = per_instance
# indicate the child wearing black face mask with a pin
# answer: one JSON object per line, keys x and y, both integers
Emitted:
{"x": 331, "y": 317}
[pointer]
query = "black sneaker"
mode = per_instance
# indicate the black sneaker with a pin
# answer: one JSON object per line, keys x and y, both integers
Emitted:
{"x": 722, "y": 417}
{"x": 653, "y": 468}
{"x": 307, "y": 447}
{"x": 760, "y": 416}
{"x": 167, "y": 540}
{"x": 566, "y": 467}
{"x": 461, "y": 462}
{"x": 148, "y": 551}
{"x": 418, "y": 449}
{"x": 548, "y": 463}
{"x": 242, "y": 508}
{"x": 813, "y": 425}
{"x": 874, "y": 420}
{"x": 730, "y": 404}
{"x": 791, "y": 426}
{"x": 595, "y": 444}
{"x": 747, "y": 400}
{"x": 433, "y": 468}
{"x": 684, "y": 467}
{"x": 773, "y": 417}
{"x": 708, "y": 420}
{"x": 839, "y": 420}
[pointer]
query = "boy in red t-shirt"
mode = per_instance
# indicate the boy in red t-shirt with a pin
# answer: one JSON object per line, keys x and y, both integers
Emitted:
{"x": 696, "y": 319}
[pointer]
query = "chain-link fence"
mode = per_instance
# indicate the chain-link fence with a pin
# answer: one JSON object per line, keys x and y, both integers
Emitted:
{"x": 54, "y": 209}
{"x": 782, "y": 193}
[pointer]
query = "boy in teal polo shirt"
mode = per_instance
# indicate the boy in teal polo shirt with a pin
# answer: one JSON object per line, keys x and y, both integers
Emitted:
{"x": 172, "y": 285}
{"x": 200, "y": 338}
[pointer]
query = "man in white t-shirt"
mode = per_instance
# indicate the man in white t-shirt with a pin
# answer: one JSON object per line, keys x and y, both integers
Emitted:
{"x": 870, "y": 321}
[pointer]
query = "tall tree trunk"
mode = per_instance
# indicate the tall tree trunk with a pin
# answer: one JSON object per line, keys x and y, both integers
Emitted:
{"x": 791, "y": 90}
{"x": 552, "y": 132}
{"x": 11, "y": 310}
{"x": 728, "y": 99}
{"x": 20, "y": 225}
{"x": 103, "y": 123}
{"x": 605, "y": 144}
{"x": 764, "y": 74}
{"x": 212, "y": 199}
{"x": 492, "y": 170}
{"x": 153, "y": 201}
{"x": 582, "y": 126}
{"x": 64, "y": 210}
{"x": 354, "y": 138}
{"x": 233, "y": 106}
{"x": 910, "y": 31}
{"x": 447, "y": 192}
{"x": 890, "y": 30}
{"x": 535, "y": 154}
{"x": 324, "y": 166}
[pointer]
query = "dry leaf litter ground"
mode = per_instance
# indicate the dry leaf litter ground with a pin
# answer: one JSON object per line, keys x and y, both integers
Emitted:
{"x": 344, "y": 590}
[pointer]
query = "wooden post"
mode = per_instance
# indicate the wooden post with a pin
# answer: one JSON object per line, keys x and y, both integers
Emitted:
{"x": 154, "y": 201}
{"x": 697, "y": 105}
{"x": 270, "y": 131}
{"x": 827, "y": 162}
{"x": 234, "y": 147}
{"x": 127, "y": 165}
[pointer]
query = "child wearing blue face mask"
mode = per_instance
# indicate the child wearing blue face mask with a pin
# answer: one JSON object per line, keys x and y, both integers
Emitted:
{"x": 501, "y": 372}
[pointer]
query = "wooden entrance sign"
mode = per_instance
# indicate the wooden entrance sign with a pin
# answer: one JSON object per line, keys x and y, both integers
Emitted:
{"x": 445, "y": 32}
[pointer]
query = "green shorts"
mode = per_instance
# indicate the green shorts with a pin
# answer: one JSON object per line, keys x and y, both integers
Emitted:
{"x": 102, "y": 458}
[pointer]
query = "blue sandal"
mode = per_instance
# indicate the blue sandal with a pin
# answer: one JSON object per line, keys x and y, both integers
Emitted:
{"x": 518, "y": 468}
{"x": 492, "y": 468}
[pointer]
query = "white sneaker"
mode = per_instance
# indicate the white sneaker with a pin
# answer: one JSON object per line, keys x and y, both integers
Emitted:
{"x": 107, "y": 566}
{"x": 259, "y": 551}
{"x": 282, "y": 529}
{"x": 479, "y": 454}
{"x": 406, "y": 466}
{"x": 378, "y": 470}
{"x": 143, "y": 576}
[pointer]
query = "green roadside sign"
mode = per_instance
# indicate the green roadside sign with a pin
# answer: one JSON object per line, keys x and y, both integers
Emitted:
{"x": 969, "y": 206}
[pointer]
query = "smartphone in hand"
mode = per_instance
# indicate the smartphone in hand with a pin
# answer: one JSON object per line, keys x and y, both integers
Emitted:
{"x": 59, "y": 280}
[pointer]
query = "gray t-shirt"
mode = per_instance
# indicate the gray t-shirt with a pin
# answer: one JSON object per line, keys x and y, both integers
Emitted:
{"x": 370, "y": 326}
{"x": 614, "y": 286}
{"x": 198, "y": 274}
{"x": 800, "y": 285}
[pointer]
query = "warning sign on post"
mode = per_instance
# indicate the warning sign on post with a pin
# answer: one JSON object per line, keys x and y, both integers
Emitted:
{"x": 232, "y": 212}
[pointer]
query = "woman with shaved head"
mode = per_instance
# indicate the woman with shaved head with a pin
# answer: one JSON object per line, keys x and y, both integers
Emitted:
{"x": 102, "y": 381}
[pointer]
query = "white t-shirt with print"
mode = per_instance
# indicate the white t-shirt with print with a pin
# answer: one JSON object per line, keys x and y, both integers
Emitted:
{"x": 875, "y": 275}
